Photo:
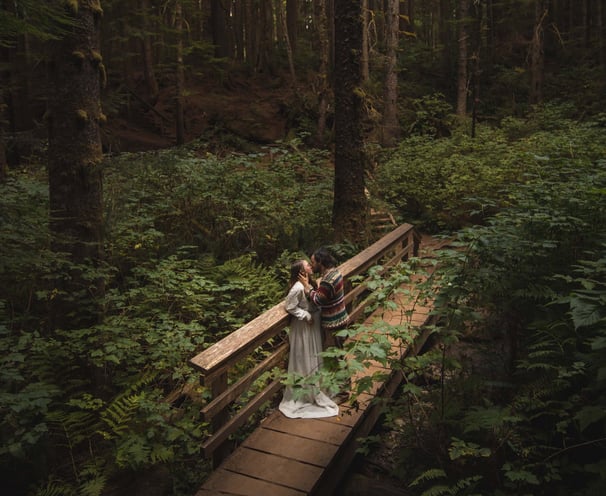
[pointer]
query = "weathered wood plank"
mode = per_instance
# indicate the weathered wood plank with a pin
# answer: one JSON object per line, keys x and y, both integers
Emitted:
{"x": 226, "y": 482}
{"x": 350, "y": 414}
{"x": 286, "y": 445}
{"x": 317, "y": 429}
{"x": 286, "y": 472}
{"x": 239, "y": 343}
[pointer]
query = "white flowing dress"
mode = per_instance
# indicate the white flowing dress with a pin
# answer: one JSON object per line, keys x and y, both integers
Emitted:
{"x": 304, "y": 359}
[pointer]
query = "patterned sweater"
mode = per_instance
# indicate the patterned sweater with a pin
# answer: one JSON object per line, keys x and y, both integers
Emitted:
{"x": 329, "y": 297}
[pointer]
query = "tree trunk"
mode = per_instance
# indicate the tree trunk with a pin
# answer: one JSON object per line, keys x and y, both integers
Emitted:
{"x": 365, "y": 60}
{"x": 475, "y": 64}
{"x": 462, "y": 89}
{"x": 239, "y": 30}
{"x": 391, "y": 128}
{"x": 292, "y": 23}
{"x": 447, "y": 36}
{"x": 321, "y": 23}
{"x": 3, "y": 122}
{"x": 180, "y": 76}
{"x": 586, "y": 25}
{"x": 218, "y": 14}
{"x": 265, "y": 53}
{"x": 148, "y": 54}
{"x": 251, "y": 42}
{"x": 537, "y": 55}
{"x": 600, "y": 29}
{"x": 286, "y": 35}
{"x": 349, "y": 206}
{"x": 74, "y": 164}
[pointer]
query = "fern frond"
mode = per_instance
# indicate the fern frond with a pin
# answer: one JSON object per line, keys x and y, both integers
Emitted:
{"x": 428, "y": 475}
{"x": 54, "y": 488}
{"x": 72, "y": 426}
{"x": 437, "y": 491}
{"x": 119, "y": 414}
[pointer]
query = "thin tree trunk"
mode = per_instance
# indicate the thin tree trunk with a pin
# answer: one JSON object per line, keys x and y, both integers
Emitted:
{"x": 445, "y": 34}
{"x": 74, "y": 165}
{"x": 218, "y": 15}
{"x": 537, "y": 54}
{"x": 251, "y": 41}
{"x": 286, "y": 35}
{"x": 239, "y": 30}
{"x": 586, "y": 27}
{"x": 148, "y": 54}
{"x": 462, "y": 88}
{"x": 3, "y": 121}
{"x": 490, "y": 34}
{"x": 265, "y": 21}
{"x": 365, "y": 42}
{"x": 349, "y": 206}
{"x": 292, "y": 23}
{"x": 477, "y": 44}
{"x": 321, "y": 23}
{"x": 180, "y": 76}
{"x": 391, "y": 128}
{"x": 600, "y": 28}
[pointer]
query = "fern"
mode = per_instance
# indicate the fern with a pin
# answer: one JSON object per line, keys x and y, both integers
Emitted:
{"x": 428, "y": 475}
{"x": 122, "y": 410}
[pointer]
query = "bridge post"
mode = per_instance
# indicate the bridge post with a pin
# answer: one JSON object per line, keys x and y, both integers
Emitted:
{"x": 217, "y": 387}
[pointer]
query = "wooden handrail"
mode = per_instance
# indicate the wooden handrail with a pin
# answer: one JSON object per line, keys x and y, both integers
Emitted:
{"x": 215, "y": 362}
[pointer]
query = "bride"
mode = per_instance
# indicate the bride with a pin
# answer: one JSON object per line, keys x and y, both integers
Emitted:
{"x": 304, "y": 359}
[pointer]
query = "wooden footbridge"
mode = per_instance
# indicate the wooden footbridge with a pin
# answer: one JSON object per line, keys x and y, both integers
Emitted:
{"x": 296, "y": 457}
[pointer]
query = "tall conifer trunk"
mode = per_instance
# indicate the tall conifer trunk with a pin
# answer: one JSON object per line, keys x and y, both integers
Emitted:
{"x": 148, "y": 54}
{"x": 180, "y": 76}
{"x": 349, "y": 207}
{"x": 74, "y": 163}
{"x": 321, "y": 22}
{"x": 462, "y": 87}
{"x": 391, "y": 128}
{"x": 537, "y": 61}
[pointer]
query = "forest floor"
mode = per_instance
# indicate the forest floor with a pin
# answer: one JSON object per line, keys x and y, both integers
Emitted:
{"x": 255, "y": 108}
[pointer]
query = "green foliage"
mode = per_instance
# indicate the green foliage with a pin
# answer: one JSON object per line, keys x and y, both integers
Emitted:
{"x": 43, "y": 20}
{"x": 188, "y": 238}
{"x": 259, "y": 202}
{"x": 510, "y": 397}
{"x": 449, "y": 183}
{"x": 433, "y": 116}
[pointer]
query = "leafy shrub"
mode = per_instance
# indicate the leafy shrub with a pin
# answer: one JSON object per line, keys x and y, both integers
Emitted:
{"x": 188, "y": 239}
{"x": 226, "y": 206}
{"x": 445, "y": 184}
{"x": 528, "y": 419}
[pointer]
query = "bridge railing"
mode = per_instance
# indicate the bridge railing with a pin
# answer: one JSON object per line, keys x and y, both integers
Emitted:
{"x": 222, "y": 360}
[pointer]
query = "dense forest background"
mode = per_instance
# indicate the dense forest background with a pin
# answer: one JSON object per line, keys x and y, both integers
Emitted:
{"x": 161, "y": 163}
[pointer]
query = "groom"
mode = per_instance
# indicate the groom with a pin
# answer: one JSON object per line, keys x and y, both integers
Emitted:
{"x": 329, "y": 297}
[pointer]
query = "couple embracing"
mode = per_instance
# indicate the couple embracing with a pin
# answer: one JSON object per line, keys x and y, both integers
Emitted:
{"x": 317, "y": 312}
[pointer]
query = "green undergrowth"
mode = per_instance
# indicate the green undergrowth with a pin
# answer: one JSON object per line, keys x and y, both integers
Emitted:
{"x": 447, "y": 183}
{"x": 197, "y": 244}
{"x": 510, "y": 398}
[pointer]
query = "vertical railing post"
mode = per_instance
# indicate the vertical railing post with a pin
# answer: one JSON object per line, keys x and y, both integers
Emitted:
{"x": 413, "y": 242}
{"x": 217, "y": 387}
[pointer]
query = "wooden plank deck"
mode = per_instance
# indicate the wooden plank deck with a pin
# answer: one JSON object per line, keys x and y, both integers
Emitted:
{"x": 297, "y": 457}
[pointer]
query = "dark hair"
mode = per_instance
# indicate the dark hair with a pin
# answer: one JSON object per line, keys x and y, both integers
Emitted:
{"x": 323, "y": 256}
{"x": 295, "y": 269}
